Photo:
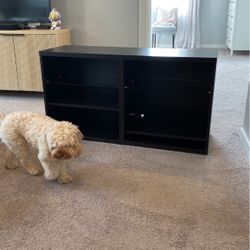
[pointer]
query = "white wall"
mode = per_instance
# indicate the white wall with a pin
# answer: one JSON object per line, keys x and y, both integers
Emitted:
{"x": 116, "y": 22}
{"x": 101, "y": 22}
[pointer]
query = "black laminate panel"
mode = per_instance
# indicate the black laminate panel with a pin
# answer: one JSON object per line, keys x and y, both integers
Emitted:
{"x": 148, "y": 97}
{"x": 78, "y": 51}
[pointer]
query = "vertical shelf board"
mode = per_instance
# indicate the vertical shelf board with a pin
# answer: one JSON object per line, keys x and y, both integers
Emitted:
{"x": 210, "y": 105}
{"x": 121, "y": 102}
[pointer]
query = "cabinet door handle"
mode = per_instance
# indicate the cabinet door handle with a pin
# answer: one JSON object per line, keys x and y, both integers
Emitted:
{"x": 136, "y": 115}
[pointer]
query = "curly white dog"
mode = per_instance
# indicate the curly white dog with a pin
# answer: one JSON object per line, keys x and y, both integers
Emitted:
{"x": 53, "y": 142}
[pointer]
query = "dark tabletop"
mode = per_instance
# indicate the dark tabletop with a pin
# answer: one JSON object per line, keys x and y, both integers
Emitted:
{"x": 116, "y": 51}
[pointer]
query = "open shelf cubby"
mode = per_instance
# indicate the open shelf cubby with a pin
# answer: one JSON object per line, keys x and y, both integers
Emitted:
{"x": 85, "y": 96}
{"x": 96, "y": 124}
{"x": 144, "y": 97}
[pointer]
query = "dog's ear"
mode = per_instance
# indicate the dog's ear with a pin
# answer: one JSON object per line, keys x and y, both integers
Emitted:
{"x": 60, "y": 154}
{"x": 80, "y": 134}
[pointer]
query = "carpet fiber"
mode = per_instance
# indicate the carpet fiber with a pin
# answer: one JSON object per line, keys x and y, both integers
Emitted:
{"x": 126, "y": 197}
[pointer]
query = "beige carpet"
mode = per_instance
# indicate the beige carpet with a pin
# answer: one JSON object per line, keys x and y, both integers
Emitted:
{"x": 126, "y": 197}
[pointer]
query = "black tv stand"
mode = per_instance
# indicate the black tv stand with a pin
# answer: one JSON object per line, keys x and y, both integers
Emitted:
{"x": 149, "y": 97}
{"x": 10, "y": 26}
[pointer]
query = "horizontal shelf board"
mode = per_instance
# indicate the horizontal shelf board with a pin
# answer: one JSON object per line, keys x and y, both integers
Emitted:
{"x": 164, "y": 135}
{"x": 102, "y": 139}
{"x": 165, "y": 146}
{"x": 157, "y": 78}
{"x": 82, "y": 85}
{"x": 103, "y": 75}
{"x": 102, "y": 135}
{"x": 165, "y": 85}
{"x": 68, "y": 105}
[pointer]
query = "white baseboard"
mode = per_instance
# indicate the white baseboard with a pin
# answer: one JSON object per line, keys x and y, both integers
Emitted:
{"x": 213, "y": 46}
{"x": 245, "y": 142}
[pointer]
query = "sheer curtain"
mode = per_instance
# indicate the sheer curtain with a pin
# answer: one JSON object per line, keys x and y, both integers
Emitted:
{"x": 188, "y": 27}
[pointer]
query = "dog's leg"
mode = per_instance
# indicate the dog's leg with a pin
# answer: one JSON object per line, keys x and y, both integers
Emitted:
{"x": 11, "y": 161}
{"x": 64, "y": 177}
{"x": 18, "y": 146}
{"x": 51, "y": 170}
{"x": 8, "y": 160}
{"x": 54, "y": 169}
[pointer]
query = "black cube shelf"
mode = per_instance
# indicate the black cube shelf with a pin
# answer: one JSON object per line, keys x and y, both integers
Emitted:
{"x": 147, "y": 97}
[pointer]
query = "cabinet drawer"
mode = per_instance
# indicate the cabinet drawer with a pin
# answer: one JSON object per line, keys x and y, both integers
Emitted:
{"x": 229, "y": 34}
{"x": 231, "y": 12}
{"x": 229, "y": 43}
{"x": 230, "y": 21}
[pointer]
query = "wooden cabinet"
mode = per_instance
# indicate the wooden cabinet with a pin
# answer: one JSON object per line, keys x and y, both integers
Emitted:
{"x": 237, "y": 36}
{"x": 147, "y": 97}
{"x": 19, "y": 57}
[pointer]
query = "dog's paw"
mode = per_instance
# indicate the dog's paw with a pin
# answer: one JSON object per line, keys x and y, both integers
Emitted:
{"x": 34, "y": 170}
{"x": 11, "y": 162}
{"x": 11, "y": 166}
{"x": 64, "y": 179}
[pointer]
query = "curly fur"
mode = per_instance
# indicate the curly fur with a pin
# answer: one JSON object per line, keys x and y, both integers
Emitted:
{"x": 52, "y": 141}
